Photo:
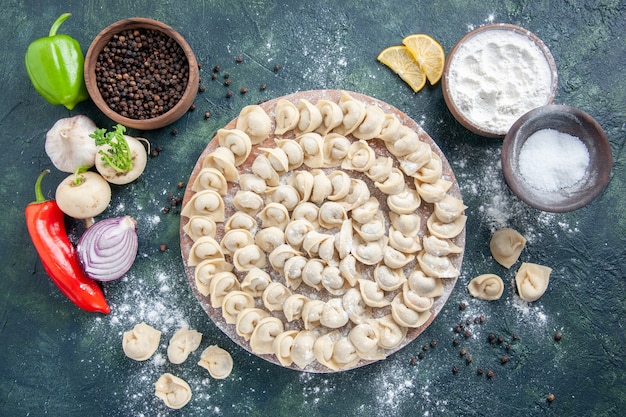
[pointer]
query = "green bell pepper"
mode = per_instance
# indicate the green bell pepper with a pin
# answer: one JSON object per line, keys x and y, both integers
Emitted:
{"x": 55, "y": 67}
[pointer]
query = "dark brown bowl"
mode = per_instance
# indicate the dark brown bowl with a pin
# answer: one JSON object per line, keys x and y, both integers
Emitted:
{"x": 568, "y": 120}
{"x": 496, "y": 28}
{"x": 164, "y": 119}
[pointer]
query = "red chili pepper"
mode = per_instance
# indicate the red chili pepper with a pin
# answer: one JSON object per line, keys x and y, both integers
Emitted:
{"x": 46, "y": 226}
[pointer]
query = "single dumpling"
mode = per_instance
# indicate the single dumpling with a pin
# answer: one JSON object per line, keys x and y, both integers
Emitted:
{"x": 371, "y": 125}
{"x": 141, "y": 342}
{"x": 506, "y": 246}
{"x": 532, "y": 281}
{"x": 332, "y": 116}
{"x": 237, "y": 141}
{"x": 207, "y": 203}
{"x": 217, "y": 361}
{"x": 255, "y": 122}
{"x": 182, "y": 343}
{"x": 486, "y": 287}
{"x": 174, "y": 391}
{"x": 262, "y": 338}
{"x": 234, "y": 303}
{"x": 199, "y": 226}
{"x": 206, "y": 270}
{"x": 210, "y": 179}
{"x": 286, "y": 116}
{"x": 310, "y": 116}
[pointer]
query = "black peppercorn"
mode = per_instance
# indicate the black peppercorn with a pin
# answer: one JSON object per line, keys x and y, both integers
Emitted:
{"x": 174, "y": 132}
{"x": 463, "y": 352}
{"x": 239, "y": 58}
{"x": 243, "y": 90}
{"x": 455, "y": 370}
{"x": 207, "y": 115}
{"x": 467, "y": 334}
{"x": 276, "y": 68}
{"x": 479, "y": 371}
{"x": 468, "y": 360}
{"x": 504, "y": 359}
{"x": 162, "y": 247}
{"x": 490, "y": 374}
{"x": 216, "y": 68}
{"x": 263, "y": 86}
{"x": 462, "y": 306}
{"x": 227, "y": 82}
{"x": 413, "y": 361}
{"x": 550, "y": 397}
{"x": 557, "y": 337}
{"x": 420, "y": 355}
{"x": 229, "y": 94}
{"x": 433, "y": 343}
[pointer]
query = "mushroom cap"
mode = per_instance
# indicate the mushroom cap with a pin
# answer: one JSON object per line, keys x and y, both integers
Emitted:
{"x": 68, "y": 144}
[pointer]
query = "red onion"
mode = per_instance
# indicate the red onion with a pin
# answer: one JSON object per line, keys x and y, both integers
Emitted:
{"x": 108, "y": 248}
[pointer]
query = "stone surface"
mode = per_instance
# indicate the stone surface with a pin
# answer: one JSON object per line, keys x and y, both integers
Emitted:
{"x": 58, "y": 360}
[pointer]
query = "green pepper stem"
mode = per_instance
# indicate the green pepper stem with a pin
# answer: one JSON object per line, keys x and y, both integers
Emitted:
{"x": 58, "y": 22}
{"x": 39, "y": 197}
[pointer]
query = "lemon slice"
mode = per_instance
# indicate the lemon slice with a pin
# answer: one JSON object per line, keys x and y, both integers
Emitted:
{"x": 401, "y": 61}
{"x": 428, "y": 54}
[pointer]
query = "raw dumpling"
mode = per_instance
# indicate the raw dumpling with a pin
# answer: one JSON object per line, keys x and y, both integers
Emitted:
{"x": 210, "y": 179}
{"x": 292, "y": 271}
{"x": 221, "y": 284}
{"x": 234, "y": 303}
{"x": 312, "y": 313}
{"x": 241, "y": 220}
{"x": 141, "y": 342}
{"x": 249, "y": 257}
{"x": 361, "y": 157}
{"x": 248, "y": 201}
{"x": 262, "y": 338}
{"x": 353, "y": 113}
{"x": 302, "y": 349}
{"x": 440, "y": 247}
{"x": 364, "y": 337}
{"x": 404, "y": 202}
{"x": 388, "y": 279}
{"x": 284, "y": 194}
{"x": 449, "y": 208}
{"x": 275, "y": 295}
{"x": 406, "y": 142}
{"x": 237, "y": 141}
{"x": 262, "y": 168}
{"x": 436, "y": 266}
{"x": 371, "y": 125}
{"x": 205, "y": 247}
{"x": 336, "y": 148}
{"x": 206, "y": 270}
{"x": 292, "y": 307}
{"x": 333, "y": 314}
{"x": 425, "y": 285}
{"x": 174, "y": 391}
{"x": 310, "y": 116}
{"x": 199, "y": 226}
{"x": 415, "y": 300}
{"x": 372, "y": 294}
{"x": 393, "y": 184}
{"x": 406, "y": 316}
{"x": 354, "y": 305}
{"x": 486, "y": 287}
{"x": 323, "y": 349}
{"x": 254, "y": 122}
{"x": 277, "y": 158}
{"x": 182, "y": 343}
{"x": 205, "y": 203}
{"x": 445, "y": 230}
{"x": 286, "y": 116}
{"x": 293, "y": 150}
{"x": 332, "y": 116}
{"x": 223, "y": 160}
{"x": 532, "y": 281}
{"x": 235, "y": 239}
{"x": 313, "y": 146}
{"x": 433, "y": 192}
{"x": 217, "y": 361}
{"x": 274, "y": 215}
{"x": 390, "y": 129}
{"x": 269, "y": 238}
{"x": 390, "y": 334}
{"x": 255, "y": 282}
{"x": 506, "y": 246}
{"x": 381, "y": 169}
{"x": 247, "y": 321}
{"x": 283, "y": 345}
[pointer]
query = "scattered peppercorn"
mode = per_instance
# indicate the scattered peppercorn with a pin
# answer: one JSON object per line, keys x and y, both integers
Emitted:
{"x": 457, "y": 329}
{"x": 263, "y": 87}
{"x": 468, "y": 360}
{"x": 433, "y": 343}
{"x": 420, "y": 355}
{"x": 166, "y": 209}
{"x": 154, "y": 153}
{"x": 550, "y": 397}
{"x": 229, "y": 94}
{"x": 508, "y": 346}
{"x": 462, "y": 306}
{"x": 515, "y": 336}
{"x": 467, "y": 334}
{"x": 413, "y": 361}
{"x": 192, "y": 107}
{"x": 207, "y": 115}
{"x": 276, "y": 68}
{"x": 455, "y": 370}
{"x": 456, "y": 341}
{"x": 174, "y": 132}
{"x": 482, "y": 319}
{"x": 480, "y": 371}
{"x": 500, "y": 339}
{"x": 201, "y": 88}
{"x": 243, "y": 90}
{"x": 490, "y": 374}
{"x": 226, "y": 75}
{"x": 425, "y": 348}
{"x": 227, "y": 82}
{"x": 504, "y": 359}
{"x": 239, "y": 58}
{"x": 557, "y": 337}
{"x": 214, "y": 76}
{"x": 463, "y": 352}
{"x": 216, "y": 68}
{"x": 181, "y": 184}
{"x": 163, "y": 247}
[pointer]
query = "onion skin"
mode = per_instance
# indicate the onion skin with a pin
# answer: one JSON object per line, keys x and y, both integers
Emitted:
{"x": 108, "y": 249}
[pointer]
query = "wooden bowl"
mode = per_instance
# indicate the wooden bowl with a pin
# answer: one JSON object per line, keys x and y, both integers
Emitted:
{"x": 570, "y": 121}
{"x": 168, "y": 116}
{"x": 475, "y": 74}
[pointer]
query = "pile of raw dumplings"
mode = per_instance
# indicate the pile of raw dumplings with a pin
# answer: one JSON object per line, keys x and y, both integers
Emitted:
{"x": 320, "y": 253}
{"x": 531, "y": 279}
{"x": 142, "y": 342}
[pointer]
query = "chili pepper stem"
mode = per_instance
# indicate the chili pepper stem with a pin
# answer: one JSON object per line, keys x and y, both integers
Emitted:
{"x": 39, "y": 197}
{"x": 57, "y": 23}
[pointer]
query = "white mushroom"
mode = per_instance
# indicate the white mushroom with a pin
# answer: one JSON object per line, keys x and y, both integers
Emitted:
{"x": 68, "y": 144}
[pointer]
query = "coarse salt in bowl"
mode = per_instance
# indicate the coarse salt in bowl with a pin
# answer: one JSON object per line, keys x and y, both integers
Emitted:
{"x": 494, "y": 75}
{"x": 556, "y": 158}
